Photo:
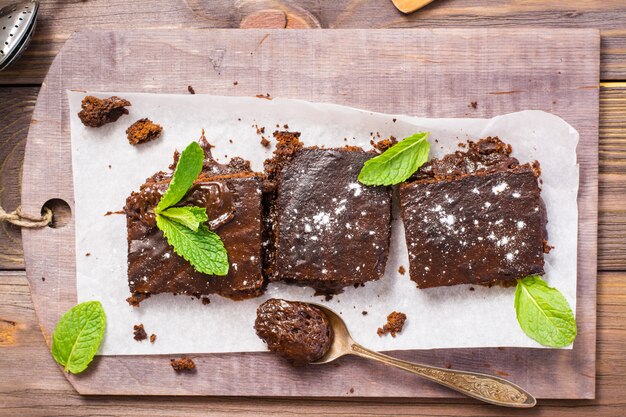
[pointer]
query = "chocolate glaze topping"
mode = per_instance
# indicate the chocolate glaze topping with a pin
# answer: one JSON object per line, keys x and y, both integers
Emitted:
{"x": 297, "y": 331}
{"x": 474, "y": 217}
{"x": 232, "y": 195}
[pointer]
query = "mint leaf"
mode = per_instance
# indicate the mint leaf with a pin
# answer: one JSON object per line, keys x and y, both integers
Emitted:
{"x": 77, "y": 336}
{"x": 187, "y": 169}
{"x": 188, "y": 216}
{"x": 397, "y": 163}
{"x": 543, "y": 313}
{"x": 203, "y": 249}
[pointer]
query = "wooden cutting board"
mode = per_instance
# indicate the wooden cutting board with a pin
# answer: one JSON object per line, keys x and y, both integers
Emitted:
{"x": 433, "y": 73}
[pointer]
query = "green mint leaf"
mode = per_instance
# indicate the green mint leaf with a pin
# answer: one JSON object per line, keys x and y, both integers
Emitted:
{"x": 397, "y": 163}
{"x": 543, "y": 313}
{"x": 189, "y": 216}
{"x": 77, "y": 336}
{"x": 187, "y": 169}
{"x": 203, "y": 249}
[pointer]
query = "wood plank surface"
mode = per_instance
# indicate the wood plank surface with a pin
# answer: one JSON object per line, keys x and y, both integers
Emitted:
{"x": 434, "y": 73}
{"x": 35, "y": 386}
{"x": 60, "y": 18}
{"x": 17, "y": 103}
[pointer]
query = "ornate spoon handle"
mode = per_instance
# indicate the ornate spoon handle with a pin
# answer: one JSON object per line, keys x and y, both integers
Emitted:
{"x": 483, "y": 387}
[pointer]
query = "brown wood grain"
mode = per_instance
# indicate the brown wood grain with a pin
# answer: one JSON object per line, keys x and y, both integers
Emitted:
{"x": 424, "y": 72}
{"x": 33, "y": 385}
{"x": 58, "y": 19}
{"x": 16, "y": 107}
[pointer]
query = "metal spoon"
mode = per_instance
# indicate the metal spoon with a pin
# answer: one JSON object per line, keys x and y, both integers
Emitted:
{"x": 17, "y": 24}
{"x": 483, "y": 387}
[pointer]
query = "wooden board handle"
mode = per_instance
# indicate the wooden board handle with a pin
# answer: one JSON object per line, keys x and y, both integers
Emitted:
{"x": 409, "y": 6}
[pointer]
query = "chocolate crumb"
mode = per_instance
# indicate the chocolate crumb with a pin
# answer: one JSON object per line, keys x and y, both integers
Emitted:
{"x": 264, "y": 142}
{"x": 328, "y": 297}
{"x": 230, "y": 140}
{"x": 139, "y": 333}
{"x": 108, "y": 213}
{"x": 205, "y": 300}
{"x": 364, "y": 312}
{"x": 191, "y": 90}
{"x": 88, "y": 254}
{"x": 97, "y": 112}
{"x": 394, "y": 325}
{"x": 474, "y": 104}
{"x": 448, "y": 365}
{"x": 286, "y": 126}
{"x": 183, "y": 364}
{"x": 471, "y": 288}
{"x": 384, "y": 144}
{"x": 235, "y": 82}
{"x": 109, "y": 166}
{"x": 401, "y": 270}
{"x": 135, "y": 299}
{"x": 394, "y": 120}
{"x": 351, "y": 390}
{"x": 43, "y": 278}
{"x": 266, "y": 96}
{"x": 152, "y": 338}
{"x": 142, "y": 131}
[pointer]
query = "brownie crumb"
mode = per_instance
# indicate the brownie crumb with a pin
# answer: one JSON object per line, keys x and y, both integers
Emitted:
{"x": 205, "y": 300}
{"x": 266, "y": 96}
{"x": 401, "y": 270}
{"x": 183, "y": 364}
{"x": 471, "y": 288}
{"x": 286, "y": 126}
{"x": 235, "y": 82}
{"x": 384, "y": 144}
{"x": 448, "y": 365}
{"x": 139, "y": 333}
{"x": 108, "y": 213}
{"x": 364, "y": 312}
{"x": 97, "y": 112}
{"x": 351, "y": 390}
{"x": 43, "y": 278}
{"x": 143, "y": 130}
{"x": 135, "y": 299}
{"x": 394, "y": 120}
{"x": 264, "y": 142}
{"x": 328, "y": 297}
{"x": 88, "y": 254}
{"x": 109, "y": 166}
{"x": 191, "y": 90}
{"x": 259, "y": 130}
{"x": 474, "y": 104}
{"x": 394, "y": 325}
{"x": 152, "y": 338}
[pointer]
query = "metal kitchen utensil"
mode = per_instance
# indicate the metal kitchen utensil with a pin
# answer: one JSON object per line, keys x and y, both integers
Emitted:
{"x": 17, "y": 24}
{"x": 488, "y": 388}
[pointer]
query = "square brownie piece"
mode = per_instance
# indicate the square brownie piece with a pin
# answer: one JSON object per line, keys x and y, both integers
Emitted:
{"x": 474, "y": 217}
{"x": 232, "y": 195}
{"x": 330, "y": 230}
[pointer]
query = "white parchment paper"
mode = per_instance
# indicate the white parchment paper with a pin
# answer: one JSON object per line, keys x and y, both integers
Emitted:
{"x": 106, "y": 169}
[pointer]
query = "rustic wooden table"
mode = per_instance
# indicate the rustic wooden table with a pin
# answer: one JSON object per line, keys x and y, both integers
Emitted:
{"x": 32, "y": 384}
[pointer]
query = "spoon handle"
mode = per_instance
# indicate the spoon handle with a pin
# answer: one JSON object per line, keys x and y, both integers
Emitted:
{"x": 483, "y": 387}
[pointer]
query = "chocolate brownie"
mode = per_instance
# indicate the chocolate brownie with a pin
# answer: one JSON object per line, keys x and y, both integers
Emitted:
{"x": 232, "y": 195}
{"x": 474, "y": 217}
{"x": 330, "y": 231}
{"x": 297, "y": 331}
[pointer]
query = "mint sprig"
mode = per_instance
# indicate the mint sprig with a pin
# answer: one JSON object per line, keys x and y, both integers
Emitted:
{"x": 543, "y": 313}
{"x": 183, "y": 227}
{"x": 187, "y": 170}
{"x": 78, "y": 335}
{"x": 397, "y": 163}
{"x": 203, "y": 248}
{"x": 189, "y": 216}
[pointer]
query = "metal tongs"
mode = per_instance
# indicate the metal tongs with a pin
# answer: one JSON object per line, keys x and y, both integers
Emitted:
{"x": 17, "y": 24}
